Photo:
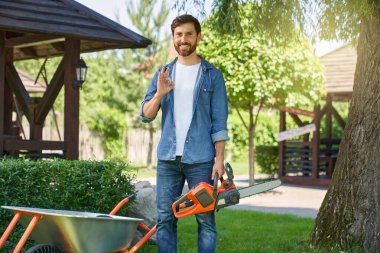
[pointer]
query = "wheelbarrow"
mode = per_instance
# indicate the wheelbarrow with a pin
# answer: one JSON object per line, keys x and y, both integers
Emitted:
{"x": 59, "y": 231}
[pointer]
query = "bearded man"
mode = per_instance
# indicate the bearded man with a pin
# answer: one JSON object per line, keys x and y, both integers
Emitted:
{"x": 192, "y": 96}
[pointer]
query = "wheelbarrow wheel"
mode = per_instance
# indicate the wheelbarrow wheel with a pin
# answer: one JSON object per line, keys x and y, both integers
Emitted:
{"x": 43, "y": 249}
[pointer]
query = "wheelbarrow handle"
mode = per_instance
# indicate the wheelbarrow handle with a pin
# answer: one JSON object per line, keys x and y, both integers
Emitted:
{"x": 122, "y": 203}
{"x": 131, "y": 196}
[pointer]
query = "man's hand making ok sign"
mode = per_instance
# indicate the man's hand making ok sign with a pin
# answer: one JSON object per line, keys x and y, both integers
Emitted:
{"x": 164, "y": 83}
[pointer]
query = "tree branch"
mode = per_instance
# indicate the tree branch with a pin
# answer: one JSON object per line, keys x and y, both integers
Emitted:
{"x": 240, "y": 116}
{"x": 258, "y": 111}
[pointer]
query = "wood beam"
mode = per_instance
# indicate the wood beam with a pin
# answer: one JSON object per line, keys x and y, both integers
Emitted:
{"x": 297, "y": 111}
{"x": 31, "y": 40}
{"x": 306, "y": 181}
{"x": 2, "y": 89}
{"x": 332, "y": 141}
{"x": 50, "y": 95}
{"x": 323, "y": 111}
{"x": 36, "y": 145}
{"x": 296, "y": 119}
{"x": 71, "y": 116}
{"x": 14, "y": 81}
{"x": 340, "y": 120}
{"x": 28, "y": 51}
{"x": 306, "y": 144}
{"x": 58, "y": 46}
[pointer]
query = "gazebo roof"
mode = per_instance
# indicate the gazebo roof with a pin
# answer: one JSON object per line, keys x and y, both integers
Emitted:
{"x": 340, "y": 71}
{"x": 38, "y": 29}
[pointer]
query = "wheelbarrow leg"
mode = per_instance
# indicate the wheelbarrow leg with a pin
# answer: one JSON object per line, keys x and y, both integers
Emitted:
{"x": 9, "y": 229}
{"x": 26, "y": 234}
{"x": 142, "y": 241}
{"x": 149, "y": 232}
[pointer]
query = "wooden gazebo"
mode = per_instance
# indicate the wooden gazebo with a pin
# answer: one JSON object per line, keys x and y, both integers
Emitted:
{"x": 45, "y": 28}
{"x": 310, "y": 158}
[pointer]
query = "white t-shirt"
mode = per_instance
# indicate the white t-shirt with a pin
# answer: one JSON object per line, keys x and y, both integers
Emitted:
{"x": 185, "y": 78}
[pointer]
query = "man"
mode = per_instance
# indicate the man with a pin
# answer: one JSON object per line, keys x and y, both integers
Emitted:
{"x": 192, "y": 96}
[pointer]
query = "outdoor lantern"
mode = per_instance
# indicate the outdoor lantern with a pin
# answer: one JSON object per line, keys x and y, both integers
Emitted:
{"x": 80, "y": 72}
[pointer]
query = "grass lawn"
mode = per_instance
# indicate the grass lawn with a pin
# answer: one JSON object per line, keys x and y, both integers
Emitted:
{"x": 141, "y": 171}
{"x": 248, "y": 231}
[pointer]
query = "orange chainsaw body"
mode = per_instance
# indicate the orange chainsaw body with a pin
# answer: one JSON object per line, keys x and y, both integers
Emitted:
{"x": 200, "y": 199}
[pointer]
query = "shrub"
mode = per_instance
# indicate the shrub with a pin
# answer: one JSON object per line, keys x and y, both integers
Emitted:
{"x": 267, "y": 159}
{"x": 89, "y": 186}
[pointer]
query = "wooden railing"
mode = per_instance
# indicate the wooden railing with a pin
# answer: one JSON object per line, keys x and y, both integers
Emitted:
{"x": 31, "y": 148}
{"x": 309, "y": 157}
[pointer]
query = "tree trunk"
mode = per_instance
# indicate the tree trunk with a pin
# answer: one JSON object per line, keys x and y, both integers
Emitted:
{"x": 251, "y": 135}
{"x": 251, "y": 157}
{"x": 149, "y": 160}
{"x": 350, "y": 212}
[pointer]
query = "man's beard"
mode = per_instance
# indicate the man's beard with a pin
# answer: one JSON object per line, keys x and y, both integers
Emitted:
{"x": 187, "y": 52}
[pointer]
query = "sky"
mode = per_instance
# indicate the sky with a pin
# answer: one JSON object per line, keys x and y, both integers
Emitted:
{"x": 112, "y": 8}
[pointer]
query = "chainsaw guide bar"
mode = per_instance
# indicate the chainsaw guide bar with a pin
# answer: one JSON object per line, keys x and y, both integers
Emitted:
{"x": 258, "y": 188}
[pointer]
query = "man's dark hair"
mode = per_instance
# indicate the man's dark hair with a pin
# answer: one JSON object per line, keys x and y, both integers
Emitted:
{"x": 183, "y": 19}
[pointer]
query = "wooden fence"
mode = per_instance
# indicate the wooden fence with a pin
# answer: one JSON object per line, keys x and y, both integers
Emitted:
{"x": 138, "y": 145}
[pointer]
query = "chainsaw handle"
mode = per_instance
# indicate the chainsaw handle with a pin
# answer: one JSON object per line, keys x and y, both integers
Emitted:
{"x": 179, "y": 201}
{"x": 215, "y": 188}
{"x": 216, "y": 179}
{"x": 229, "y": 171}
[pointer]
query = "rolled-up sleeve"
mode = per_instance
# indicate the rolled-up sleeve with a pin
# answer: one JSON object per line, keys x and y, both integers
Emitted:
{"x": 148, "y": 96}
{"x": 219, "y": 110}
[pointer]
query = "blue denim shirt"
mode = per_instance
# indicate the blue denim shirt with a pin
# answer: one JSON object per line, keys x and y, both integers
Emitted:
{"x": 209, "y": 121}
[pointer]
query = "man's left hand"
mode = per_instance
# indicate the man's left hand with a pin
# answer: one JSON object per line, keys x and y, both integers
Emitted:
{"x": 218, "y": 167}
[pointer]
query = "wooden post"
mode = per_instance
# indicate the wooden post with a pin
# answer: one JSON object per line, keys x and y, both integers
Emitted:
{"x": 9, "y": 106}
{"x": 329, "y": 118}
{"x": 35, "y": 128}
{"x": 8, "y": 96}
{"x": 2, "y": 90}
{"x": 316, "y": 144}
{"x": 71, "y": 116}
{"x": 329, "y": 145}
{"x": 36, "y": 132}
{"x": 281, "y": 145}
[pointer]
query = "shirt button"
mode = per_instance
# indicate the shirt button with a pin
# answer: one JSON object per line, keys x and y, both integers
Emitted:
{"x": 187, "y": 141}
{"x": 204, "y": 89}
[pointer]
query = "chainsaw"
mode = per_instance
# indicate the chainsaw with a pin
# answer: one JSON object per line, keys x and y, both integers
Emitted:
{"x": 205, "y": 197}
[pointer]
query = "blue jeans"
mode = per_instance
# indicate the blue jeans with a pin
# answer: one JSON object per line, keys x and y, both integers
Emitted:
{"x": 171, "y": 176}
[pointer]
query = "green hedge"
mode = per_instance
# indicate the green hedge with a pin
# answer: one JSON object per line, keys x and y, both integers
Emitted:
{"x": 267, "y": 159}
{"x": 61, "y": 184}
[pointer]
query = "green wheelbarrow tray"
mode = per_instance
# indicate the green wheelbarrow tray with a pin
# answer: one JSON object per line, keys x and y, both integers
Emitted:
{"x": 74, "y": 232}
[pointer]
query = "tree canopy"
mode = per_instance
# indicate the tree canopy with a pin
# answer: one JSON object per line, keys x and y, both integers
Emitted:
{"x": 333, "y": 19}
{"x": 259, "y": 73}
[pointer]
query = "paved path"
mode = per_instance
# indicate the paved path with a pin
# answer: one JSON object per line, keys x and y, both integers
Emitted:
{"x": 287, "y": 199}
